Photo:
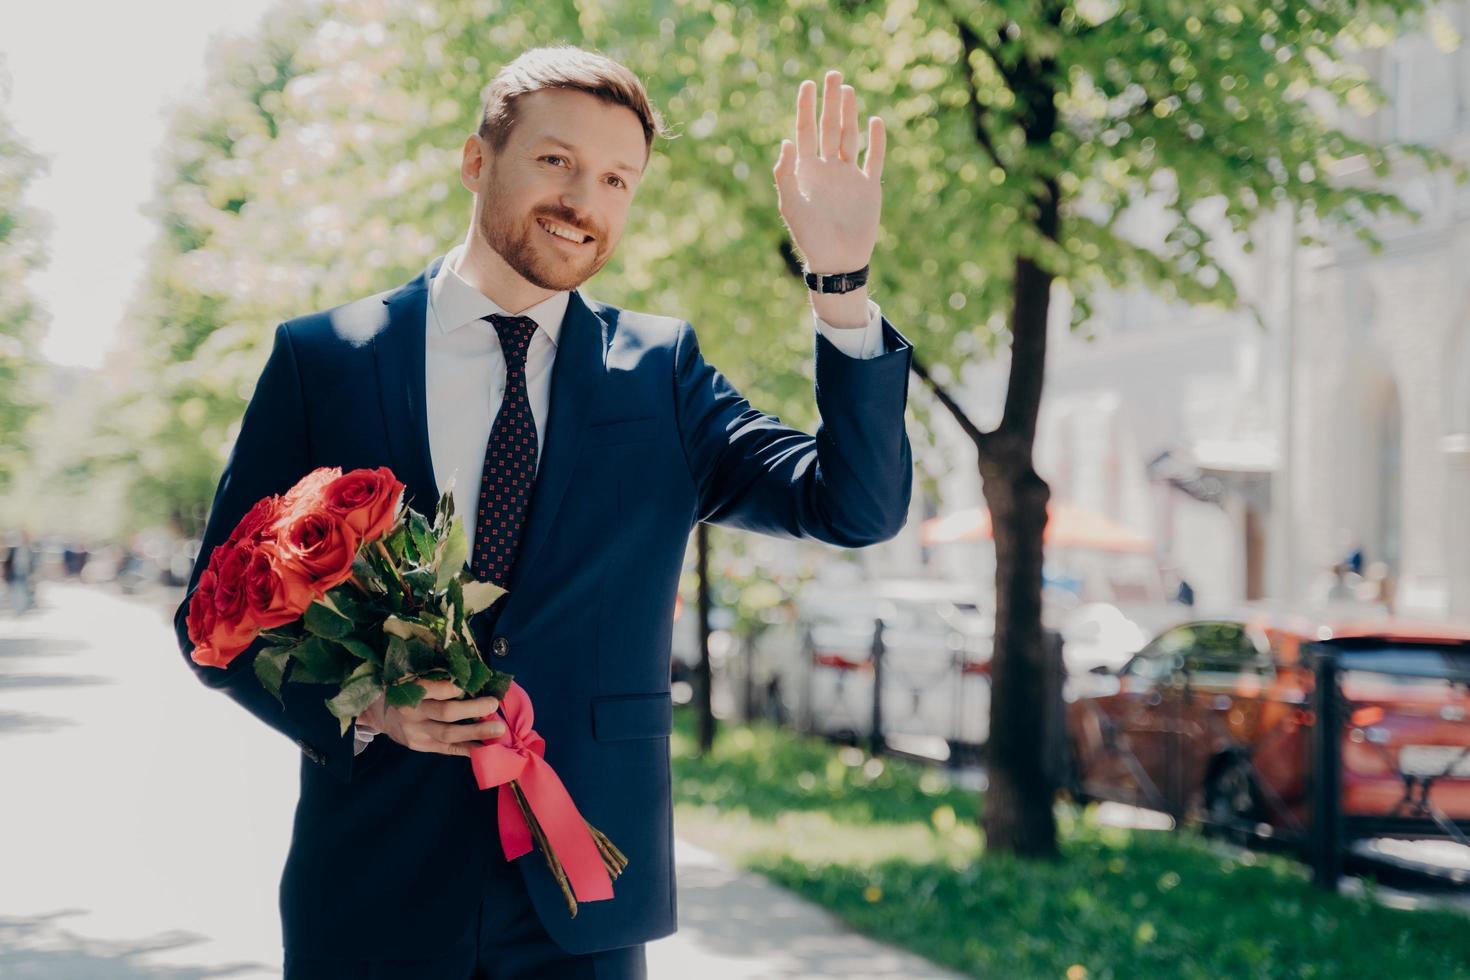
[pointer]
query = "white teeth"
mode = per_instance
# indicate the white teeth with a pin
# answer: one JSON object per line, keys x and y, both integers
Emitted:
{"x": 560, "y": 232}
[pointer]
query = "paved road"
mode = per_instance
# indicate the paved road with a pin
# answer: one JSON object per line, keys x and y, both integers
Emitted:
{"x": 144, "y": 820}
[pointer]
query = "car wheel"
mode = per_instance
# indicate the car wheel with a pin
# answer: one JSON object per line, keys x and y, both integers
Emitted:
{"x": 1233, "y": 802}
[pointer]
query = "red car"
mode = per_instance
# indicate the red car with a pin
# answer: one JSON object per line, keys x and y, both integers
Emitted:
{"x": 1212, "y": 720}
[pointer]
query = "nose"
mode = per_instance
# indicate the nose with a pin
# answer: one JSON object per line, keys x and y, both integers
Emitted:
{"x": 576, "y": 193}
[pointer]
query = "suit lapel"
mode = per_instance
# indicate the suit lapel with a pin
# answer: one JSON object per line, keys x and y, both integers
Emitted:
{"x": 576, "y": 376}
{"x": 399, "y": 352}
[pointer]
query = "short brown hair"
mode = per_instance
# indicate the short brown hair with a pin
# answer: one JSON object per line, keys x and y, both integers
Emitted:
{"x": 563, "y": 66}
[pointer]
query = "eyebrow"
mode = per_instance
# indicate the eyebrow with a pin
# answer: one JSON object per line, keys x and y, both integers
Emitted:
{"x": 626, "y": 167}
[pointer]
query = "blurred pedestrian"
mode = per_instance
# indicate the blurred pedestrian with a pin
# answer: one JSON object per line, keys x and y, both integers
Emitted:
{"x": 20, "y": 573}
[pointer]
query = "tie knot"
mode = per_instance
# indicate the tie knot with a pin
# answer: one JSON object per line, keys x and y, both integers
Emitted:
{"x": 515, "y": 335}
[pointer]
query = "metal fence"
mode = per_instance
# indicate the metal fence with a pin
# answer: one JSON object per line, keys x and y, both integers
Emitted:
{"x": 1372, "y": 773}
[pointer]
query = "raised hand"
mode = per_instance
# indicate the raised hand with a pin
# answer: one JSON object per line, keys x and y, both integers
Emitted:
{"x": 829, "y": 203}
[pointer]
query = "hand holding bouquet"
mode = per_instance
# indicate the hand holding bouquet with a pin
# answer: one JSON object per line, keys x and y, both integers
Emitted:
{"x": 354, "y": 590}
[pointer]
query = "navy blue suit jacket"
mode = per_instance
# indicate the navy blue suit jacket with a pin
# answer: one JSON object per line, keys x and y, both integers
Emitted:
{"x": 644, "y": 439}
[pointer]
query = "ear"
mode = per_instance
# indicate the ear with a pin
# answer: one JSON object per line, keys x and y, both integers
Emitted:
{"x": 473, "y": 160}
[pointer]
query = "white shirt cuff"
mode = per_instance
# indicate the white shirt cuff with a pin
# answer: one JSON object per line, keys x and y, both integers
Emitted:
{"x": 361, "y": 739}
{"x": 860, "y": 343}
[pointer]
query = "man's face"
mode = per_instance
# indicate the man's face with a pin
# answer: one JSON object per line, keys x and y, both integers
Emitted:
{"x": 572, "y": 164}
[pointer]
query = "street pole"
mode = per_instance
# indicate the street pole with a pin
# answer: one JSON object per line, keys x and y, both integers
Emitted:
{"x": 702, "y": 675}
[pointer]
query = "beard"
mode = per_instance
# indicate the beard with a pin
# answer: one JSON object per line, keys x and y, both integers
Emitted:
{"x": 526, "y": 247}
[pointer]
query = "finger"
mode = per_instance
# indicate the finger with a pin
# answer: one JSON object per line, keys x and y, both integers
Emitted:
{"x": 440, "y": 690}
{"x": 877, "y": 140}
{"x": 849, "y": 143}
{"x": 452, "y": 711}
{"x": 831, "y": 120}
{"x": 806, "y": 119}
{"x": 420, "y": 740}
{"x": 785, "y": 173}
{"x": 480, "y": 731}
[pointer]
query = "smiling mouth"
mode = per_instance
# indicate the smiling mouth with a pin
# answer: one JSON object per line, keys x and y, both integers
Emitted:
{"x": 565, "y": 241}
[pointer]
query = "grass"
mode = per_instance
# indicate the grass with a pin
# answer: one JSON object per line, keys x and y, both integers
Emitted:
{"x": 890, "y": 848}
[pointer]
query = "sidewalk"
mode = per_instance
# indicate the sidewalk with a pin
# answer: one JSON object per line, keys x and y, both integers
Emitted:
{"x": 146, "y": 820}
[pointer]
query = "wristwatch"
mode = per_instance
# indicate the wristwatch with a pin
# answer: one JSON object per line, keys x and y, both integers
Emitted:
{"x": 842, "y": 282}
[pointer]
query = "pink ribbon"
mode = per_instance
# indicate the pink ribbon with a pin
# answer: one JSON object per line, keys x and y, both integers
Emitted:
{"x": 517, "y": 755}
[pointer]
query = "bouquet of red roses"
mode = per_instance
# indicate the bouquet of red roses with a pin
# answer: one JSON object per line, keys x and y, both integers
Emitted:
{"x": 355, "y": 590}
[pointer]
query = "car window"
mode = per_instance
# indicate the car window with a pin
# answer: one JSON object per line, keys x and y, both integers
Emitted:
{"x": 1221, "y": 648}
{"x": 1157, "y": 661}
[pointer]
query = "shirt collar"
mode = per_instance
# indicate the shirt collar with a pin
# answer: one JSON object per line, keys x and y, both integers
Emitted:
{"x": 456, "y": 303}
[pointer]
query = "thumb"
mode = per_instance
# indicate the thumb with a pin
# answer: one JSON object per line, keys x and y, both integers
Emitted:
{"x": 785, "y": 171}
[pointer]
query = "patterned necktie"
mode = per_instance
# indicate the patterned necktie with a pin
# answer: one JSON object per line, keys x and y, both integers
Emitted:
{"x": 510, "y": 461}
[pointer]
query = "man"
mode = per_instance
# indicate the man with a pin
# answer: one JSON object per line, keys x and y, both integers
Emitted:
{"x": 584, "y": 442}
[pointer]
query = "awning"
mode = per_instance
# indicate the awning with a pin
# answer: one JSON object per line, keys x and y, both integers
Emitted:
{"x": 1066, "y": 527}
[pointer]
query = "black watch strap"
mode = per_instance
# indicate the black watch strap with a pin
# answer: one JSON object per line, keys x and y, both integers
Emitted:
{"x": 842, "y": 282}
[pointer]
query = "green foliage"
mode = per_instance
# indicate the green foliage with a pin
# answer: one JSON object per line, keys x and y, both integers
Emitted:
{"x": 319, "y": 164}
{"x": 897, "y": 857}
{"x": 22, "y": 252}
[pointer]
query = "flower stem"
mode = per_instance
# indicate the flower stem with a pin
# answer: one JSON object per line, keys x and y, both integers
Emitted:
{"x": 552, "y": 861}
{"x": 393, "y": 567}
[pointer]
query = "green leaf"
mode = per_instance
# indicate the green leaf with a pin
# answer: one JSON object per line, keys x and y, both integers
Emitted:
{"x": 459, "y": 664}
{"x": 422, "y": 656}
{"x": 395, "y": 659}
{"x": 324, "y": 621}
{"x": 344, "y": 597}
{"x": 405, "y": 695}
{"x": 497, "y": 683}
{"x": 270, "y": 667}
{"x": 456, "y": 597}
{"x": 423, "y": 537}
{"x": 395, "y": 543}
{"x": 367, "y": 573}
{"x": 354, "y": 699}
{"x": 479, "y": 675}
{"x": 288, "y": 635}
{"x": 410, "y": 546}
{"x": 408, "y": 629}
{"x": 479, "y": 596}
{"x": 420, "y": 580}
{"x": 453, "y": 549}
{"x": 444, "y": 511}
{"x": 362, "y": 650}
{"x": 323, "y": 661}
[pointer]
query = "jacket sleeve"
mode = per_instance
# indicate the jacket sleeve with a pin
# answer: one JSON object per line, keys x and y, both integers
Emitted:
{"x": 848, "y": 485}
{"x": 270, "y": 454}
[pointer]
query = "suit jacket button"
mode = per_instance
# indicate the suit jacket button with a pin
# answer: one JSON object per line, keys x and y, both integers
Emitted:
{"x": 500, "y": 645}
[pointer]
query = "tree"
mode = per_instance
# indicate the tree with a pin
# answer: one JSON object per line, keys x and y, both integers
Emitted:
{"x": 1082, "y": 111}
{"x": 22, "y": 251}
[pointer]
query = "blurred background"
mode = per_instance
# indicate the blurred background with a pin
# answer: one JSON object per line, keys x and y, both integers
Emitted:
{"x": 1190, "y": 298}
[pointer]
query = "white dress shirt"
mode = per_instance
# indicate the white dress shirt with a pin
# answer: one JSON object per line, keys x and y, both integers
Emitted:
{"x": 464, "y": 378}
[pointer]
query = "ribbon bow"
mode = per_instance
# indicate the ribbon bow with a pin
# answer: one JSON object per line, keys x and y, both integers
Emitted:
{"x": 518, "y": 756}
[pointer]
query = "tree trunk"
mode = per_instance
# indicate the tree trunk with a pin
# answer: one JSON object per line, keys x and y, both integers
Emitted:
{"x": 1018, "y": 801}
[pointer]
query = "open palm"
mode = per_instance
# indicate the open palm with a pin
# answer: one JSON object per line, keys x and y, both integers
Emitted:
{"x": 830, "y": 204}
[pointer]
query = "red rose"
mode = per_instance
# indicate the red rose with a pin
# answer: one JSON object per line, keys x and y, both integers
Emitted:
{"x": 201, "y": 609}
{"x": 274, "y": 594}
{"x": 366, "y": 499}
{"x": 229, "y": 562}
{"x": 216, "y": 641}
{"x": 317, "y": 547}
{"x": 307, "y": 493}
{"x": 258, "y": 523}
